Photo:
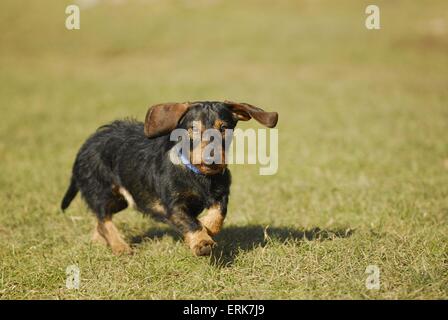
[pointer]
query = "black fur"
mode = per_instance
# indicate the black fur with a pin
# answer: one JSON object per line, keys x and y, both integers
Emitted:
{"x": 71, "y": 193}
{"x": 120, "y": 155}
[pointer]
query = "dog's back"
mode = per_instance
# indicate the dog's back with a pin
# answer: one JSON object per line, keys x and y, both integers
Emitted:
{"x": 96, "y": 162}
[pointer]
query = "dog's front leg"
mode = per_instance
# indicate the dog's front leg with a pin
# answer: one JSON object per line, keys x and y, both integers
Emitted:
{"x": 214, "y": 219}
{"x": 195, "y": 235}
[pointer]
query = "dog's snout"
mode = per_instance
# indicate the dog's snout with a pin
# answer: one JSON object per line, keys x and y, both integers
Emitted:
{"x": 209, "y": 159}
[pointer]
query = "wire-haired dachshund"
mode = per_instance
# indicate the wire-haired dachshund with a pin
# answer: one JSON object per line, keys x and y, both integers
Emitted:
{"x": 127, "y": 163}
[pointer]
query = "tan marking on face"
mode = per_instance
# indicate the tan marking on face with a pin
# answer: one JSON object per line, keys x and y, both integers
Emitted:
{"x": 198, "y": 145}
{"x": 199, "y": 242}
{"x": 128, "y": 197}
{"x": 107, "y": 230}
{"x": 210, "y": 169}
{"x": 213, "y": 220}
{"x": 196, "y": 154}
{"x": 220, "y": 167}
{"x": 217, "y": 124}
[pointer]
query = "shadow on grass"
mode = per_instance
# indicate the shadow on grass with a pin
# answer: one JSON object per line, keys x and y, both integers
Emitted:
{"x": 234, "y": 239}
{"x": 154, "y": 233}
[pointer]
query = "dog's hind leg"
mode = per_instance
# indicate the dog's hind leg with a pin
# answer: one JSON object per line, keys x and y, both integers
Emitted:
{"x": 109, "y": 232}
{"x": 105, "y": 231}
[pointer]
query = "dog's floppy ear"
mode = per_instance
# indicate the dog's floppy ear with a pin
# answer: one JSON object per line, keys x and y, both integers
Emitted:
{"x": 245, "y": 112}
{"x": 163, "y": 118}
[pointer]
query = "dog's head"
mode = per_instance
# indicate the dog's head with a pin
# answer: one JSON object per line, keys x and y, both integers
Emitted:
{"x": 197, "y": 118}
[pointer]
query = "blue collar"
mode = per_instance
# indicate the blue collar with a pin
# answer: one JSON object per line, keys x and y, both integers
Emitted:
{"x": 187, "y": 163}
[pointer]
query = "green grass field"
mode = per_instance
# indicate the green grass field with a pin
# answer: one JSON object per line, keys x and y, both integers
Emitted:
{"x": 363, "y": 146}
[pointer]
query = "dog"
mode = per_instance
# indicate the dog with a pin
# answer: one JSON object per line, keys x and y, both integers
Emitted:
{"x": 129, "y": 163}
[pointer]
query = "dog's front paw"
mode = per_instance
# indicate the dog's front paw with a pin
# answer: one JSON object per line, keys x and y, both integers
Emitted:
{"x": 200, "y": 242}
{"x": 204, "y": 248}
{"x": 121, "y": 249}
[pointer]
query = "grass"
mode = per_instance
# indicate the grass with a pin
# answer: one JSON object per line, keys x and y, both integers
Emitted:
{"x": 363, "y": 149}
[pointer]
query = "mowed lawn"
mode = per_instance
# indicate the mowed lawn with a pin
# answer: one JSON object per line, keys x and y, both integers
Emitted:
{"x": 363, "y": 146}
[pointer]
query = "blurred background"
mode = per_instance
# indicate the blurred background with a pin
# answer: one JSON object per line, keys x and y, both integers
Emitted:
{"x": 363, "y": 113}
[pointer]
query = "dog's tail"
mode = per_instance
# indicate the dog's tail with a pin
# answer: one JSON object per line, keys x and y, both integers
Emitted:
{"x": 69, "y": 195}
